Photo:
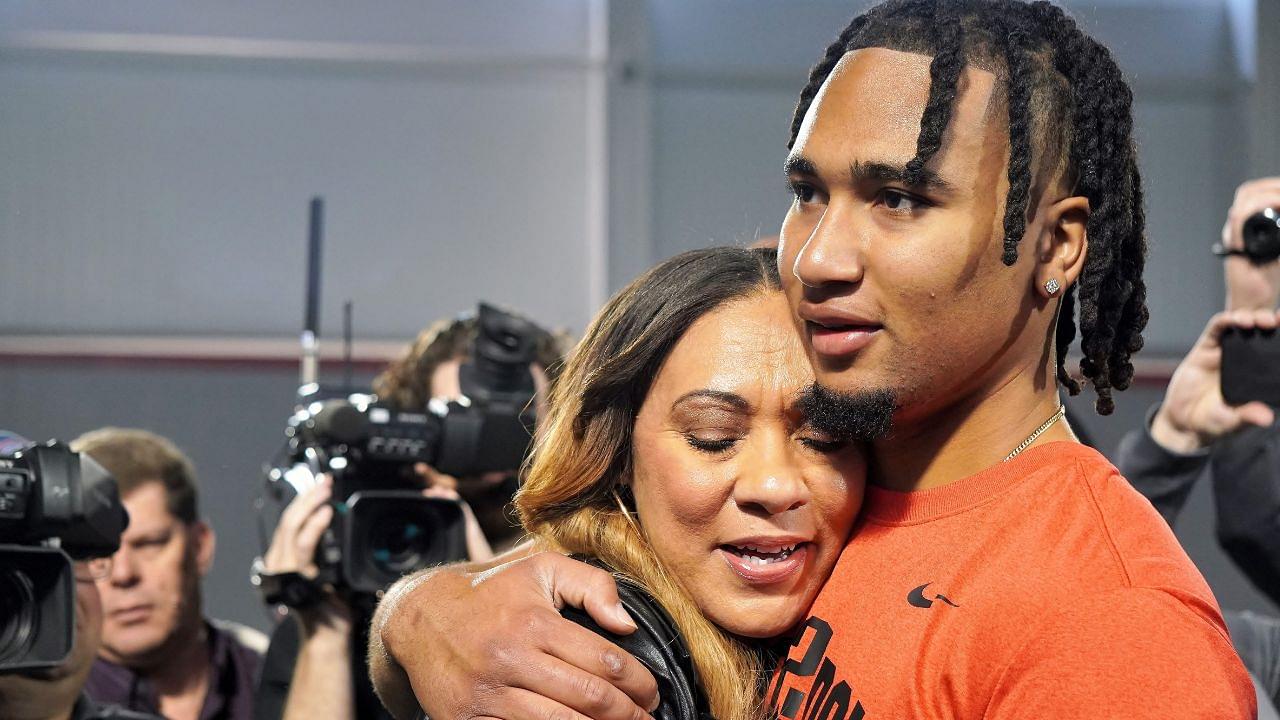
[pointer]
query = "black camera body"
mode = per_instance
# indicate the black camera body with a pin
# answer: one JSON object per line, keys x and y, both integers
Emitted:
{"x": 1261, "y": 236}
{"x": 55, "y": 506}
{"x": 383, "y": 526}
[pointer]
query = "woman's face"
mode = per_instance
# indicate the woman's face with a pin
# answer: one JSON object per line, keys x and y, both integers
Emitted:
{"x": 746, "y": 505}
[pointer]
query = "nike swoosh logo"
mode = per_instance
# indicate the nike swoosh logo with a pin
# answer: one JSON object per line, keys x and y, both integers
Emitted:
{"x": 916, "y": 598}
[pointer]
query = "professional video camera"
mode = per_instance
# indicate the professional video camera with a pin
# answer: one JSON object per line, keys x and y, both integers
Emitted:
{"x": 384, "y": 527}
{"x": 55, "y": 506}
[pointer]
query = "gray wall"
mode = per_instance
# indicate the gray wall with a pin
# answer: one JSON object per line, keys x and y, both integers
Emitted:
{"x": 157, "y": 158}
{"x": 156, "y": 173}
{"x": 157, "y": 161}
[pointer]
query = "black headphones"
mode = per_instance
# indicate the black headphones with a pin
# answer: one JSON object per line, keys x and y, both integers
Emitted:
{"x": 658, "y": 646}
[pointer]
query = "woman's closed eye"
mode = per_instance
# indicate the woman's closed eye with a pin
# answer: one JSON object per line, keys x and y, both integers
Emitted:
{"x": 710, "y": 442}
{"x": 820, "y": 442}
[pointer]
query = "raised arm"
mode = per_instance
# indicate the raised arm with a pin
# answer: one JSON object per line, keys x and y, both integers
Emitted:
{"x": 1163, "y": 461}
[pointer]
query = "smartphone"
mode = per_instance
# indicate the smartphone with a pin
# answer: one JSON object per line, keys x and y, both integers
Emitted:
{"x": 1251, "y": 366}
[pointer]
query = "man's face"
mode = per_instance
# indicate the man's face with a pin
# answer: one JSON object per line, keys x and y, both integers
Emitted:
{"x": 152, "y": 596}
{"x": 896, "y": 287}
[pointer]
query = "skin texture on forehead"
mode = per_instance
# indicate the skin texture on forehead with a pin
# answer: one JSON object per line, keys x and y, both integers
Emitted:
{"x": 954, "y": 317}
{"x": 870, "y": 108}
{"x": 733, "y": 349}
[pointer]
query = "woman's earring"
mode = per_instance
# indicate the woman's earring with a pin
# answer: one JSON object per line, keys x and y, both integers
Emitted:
{"x": 623, "y": 507}
{"x": 1052, "y": 287}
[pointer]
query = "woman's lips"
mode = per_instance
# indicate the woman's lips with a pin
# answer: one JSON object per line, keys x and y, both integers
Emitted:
{"x": 749, "y": 567}
{"x": 838, "y": 341}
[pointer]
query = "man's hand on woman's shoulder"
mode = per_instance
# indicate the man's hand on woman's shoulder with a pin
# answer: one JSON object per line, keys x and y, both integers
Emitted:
{"x": 469, "y": 641}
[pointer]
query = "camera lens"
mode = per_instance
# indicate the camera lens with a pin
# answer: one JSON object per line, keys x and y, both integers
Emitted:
{"x": 398, "y": 544}
{"x": 387, "y": 533}
{"x": 1261, "y": 235}
{"x": 18, "y": 615}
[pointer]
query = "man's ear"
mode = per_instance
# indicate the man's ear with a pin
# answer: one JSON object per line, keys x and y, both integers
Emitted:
{"x": 1062, "y": 246}
{"x": 204, "y": 541}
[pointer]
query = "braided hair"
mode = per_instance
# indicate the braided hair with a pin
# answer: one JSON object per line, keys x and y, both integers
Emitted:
{"x": 1070, "y": 112}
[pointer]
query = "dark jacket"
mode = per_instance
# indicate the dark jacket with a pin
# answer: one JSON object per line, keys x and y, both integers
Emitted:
{"x": 234, "y": 675}
{"x": 1245, "y": 472}
{"x": 87, "y": 709}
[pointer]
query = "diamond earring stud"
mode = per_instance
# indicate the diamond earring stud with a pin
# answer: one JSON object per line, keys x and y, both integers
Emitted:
{"x": 1052, "y": 287}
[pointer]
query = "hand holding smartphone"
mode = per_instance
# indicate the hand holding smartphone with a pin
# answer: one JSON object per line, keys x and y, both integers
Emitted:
{"x": 1251, "y": 366}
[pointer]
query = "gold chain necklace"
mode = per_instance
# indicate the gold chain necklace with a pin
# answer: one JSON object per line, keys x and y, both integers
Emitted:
{"x": 1062, "y": 410}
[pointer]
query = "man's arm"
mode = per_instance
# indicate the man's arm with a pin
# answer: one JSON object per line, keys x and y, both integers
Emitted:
{"x": 389, "y": 679}
{"x": 1135, "y": 653}
{"x": 1162, "y": 476}
{"x": 1246, "y": 489}
{"x": 487, "y": 640}
{"x": 1257, "y": 640}
{"x": 1163, "y": 461}
{"x": 322, "y": 685}
{"x": 1246, "y": 467}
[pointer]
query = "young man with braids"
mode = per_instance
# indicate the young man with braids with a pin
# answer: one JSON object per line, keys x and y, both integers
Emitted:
{"x": 964, "y": 176}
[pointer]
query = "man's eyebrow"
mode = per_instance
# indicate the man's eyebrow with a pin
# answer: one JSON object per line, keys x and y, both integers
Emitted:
{"x": 876, "y": 171}
{"x": 799, "y": 165}
{"x": 735, "y": 400}
{"x": 887, "y": 172}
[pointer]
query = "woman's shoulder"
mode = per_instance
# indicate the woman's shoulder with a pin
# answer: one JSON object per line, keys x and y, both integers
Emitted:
{"x": 657, "y": 644}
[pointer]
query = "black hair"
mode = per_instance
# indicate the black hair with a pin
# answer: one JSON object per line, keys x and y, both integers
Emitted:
{"x": 1070, "y": 111}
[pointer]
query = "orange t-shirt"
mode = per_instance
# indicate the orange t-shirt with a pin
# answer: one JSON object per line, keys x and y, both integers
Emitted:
{"x": 1044, "y": 587}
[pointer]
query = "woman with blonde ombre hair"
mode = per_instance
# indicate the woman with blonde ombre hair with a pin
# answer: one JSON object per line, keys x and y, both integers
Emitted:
{"x": 675, "y": 454}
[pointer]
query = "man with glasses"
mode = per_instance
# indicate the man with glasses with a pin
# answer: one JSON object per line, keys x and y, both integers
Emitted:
{"x": 58, "y": 693}
{"x": 159, "y": 653}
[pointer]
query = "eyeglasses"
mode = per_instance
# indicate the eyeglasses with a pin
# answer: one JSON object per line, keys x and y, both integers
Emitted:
{"x": 92, "y": 569}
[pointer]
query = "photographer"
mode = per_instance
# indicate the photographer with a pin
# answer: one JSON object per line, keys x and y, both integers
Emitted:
{"x": 57, "y": 692}
{"x": 431, "y": 369}
{"x": 159, "y": 652}
{"x": 312, "y": 668}
{"x": 1194, "y": 432}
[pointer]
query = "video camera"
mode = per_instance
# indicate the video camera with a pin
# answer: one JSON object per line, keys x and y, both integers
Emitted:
{"x": 55, "y": 506}
{"x": 1260, "y": 236}
{"x": 384, "y": 527}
